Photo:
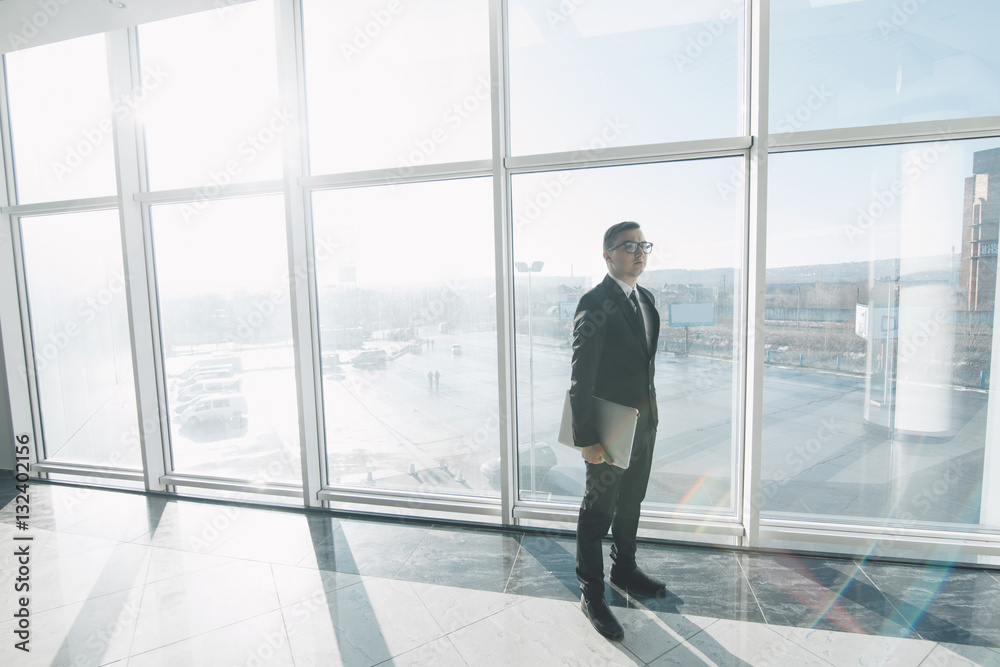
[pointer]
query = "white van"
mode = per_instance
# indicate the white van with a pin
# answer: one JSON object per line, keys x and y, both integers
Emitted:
{"x": 231, "y": 362}
{"x": 224, "y": 385}
{"x": 199, "y": 376}
{"x": 212, "y": 408}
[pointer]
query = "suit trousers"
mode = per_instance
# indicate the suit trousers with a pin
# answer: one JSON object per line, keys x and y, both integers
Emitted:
{"x": 612, "y": 500}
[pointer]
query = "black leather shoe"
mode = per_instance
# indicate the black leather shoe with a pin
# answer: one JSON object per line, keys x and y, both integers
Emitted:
{"x": 599, "y": 613}
{"x": 638, "y": 583}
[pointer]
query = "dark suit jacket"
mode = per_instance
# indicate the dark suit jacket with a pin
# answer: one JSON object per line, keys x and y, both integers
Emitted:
{"x": 610, "y": 357}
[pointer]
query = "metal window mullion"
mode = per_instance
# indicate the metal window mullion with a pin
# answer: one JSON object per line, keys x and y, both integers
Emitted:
{"x": 839, "y": 525}
{"x": 301, "y": 258}
{"x": 877, "y": 135}
{"x": 751, "y": 388}
{"x": 438, "y": 502}
{"x": 82, "y": 470}
{"x": 871, "y": 537}
{"x": 502, "y": 253}
{"x": 199, "y": 195}
{"x": 139, "y": 196}
{"x": 611, "y": 156}
{"x": 152, "y": 424}
{"x": 64, "y": 206}
{"x": 705, "y": 525}
{"x": 14, "y": 330}
{"x": 236, "y": 486}
{"x": 418, "y": 174}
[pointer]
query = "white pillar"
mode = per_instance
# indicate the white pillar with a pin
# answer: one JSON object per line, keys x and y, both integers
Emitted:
{"x": 926, "y": 333}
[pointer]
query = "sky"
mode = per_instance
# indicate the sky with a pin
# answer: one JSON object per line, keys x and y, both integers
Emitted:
{"x": 581, "y": 79}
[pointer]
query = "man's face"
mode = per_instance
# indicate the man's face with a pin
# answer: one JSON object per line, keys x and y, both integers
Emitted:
{"x": 626, "y": 266}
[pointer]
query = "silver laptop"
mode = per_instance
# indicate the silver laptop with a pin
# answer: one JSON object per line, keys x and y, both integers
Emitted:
{"x": 615, "y": 426}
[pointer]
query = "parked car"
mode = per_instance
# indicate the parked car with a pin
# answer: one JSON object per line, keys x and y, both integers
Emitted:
{"x": 231, "y": 385}
{"x": 456, "y": 349}
{"x": 370, "y": 359}
{"x": 545, "y": 458}
{"x": 232, "y": 362}
{"x": 206, "y": 373}
{"x": 213, "y": 407}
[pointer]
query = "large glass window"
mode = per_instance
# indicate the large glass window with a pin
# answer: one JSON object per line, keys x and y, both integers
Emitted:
{"x": 80, "y": 337}
{"x": 212, "y": 113}
{"x": 559, "y": 224}
{"x": 407, "y": 314}
{"x": 394, "y": 85}
{"x": 844, "y": 64}
{"x": 880, "y": 277}
{"x": 881, "y": 285}
{"x": 608, "y": 72}
{"x": 222, "y": 282}
{"x": 61, "y": 120}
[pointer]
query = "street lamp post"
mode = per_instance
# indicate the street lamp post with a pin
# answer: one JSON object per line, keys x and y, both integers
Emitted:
{"x": 535, "y": 267}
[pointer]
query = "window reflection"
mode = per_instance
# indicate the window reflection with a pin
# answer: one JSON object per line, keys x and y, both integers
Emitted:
{"x": 61, "y": 120}
{"x": 880, "y": 295}
{"x": 848, "y": 64}
{"x": 559, "y": 222}
{"x": 407, "y": 313}
{"x": 213, "y": 116}
{"x": 79, "y": 323}
{"x": 222, "y": 281}
{"x": 584, "y": 76}
{"x": 396, "y": 85}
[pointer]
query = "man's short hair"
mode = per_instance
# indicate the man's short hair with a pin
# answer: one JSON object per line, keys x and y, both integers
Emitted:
{"x": 615, "y": 230}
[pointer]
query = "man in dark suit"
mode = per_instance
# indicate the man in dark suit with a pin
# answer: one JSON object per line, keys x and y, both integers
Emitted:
{"x": 614, "y": 343}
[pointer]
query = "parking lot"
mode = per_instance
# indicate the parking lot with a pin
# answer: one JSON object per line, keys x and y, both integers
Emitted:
{"x": 428, "y": 421}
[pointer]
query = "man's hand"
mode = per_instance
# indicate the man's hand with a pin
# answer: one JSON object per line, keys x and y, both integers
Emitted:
{"x": 595, "y": 454}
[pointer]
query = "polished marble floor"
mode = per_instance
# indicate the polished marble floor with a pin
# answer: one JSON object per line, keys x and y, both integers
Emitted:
{"x": 125, "y": 579}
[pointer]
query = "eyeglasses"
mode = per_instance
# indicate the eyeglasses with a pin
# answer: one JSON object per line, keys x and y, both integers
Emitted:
{"x": 632, "y": 246}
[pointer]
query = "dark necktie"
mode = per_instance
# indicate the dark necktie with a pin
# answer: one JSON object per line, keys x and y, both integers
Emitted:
{"x": 638, "y": 312}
